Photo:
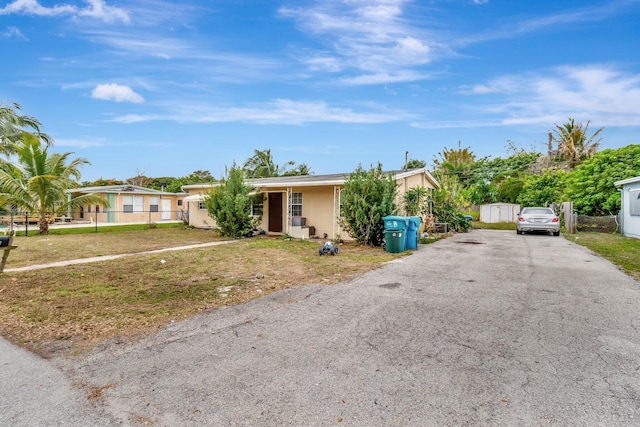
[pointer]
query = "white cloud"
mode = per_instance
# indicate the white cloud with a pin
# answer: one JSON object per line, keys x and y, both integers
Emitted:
{"x": 367, "y": 37}
{"x": 95, "y": 9}
{"x": 323, "y": 63}
{"x": 401, "y": 76}
{"x": 99, "y": 10}
{"x": 117, "y": 93}
{"x": 601, "y": 93}
{"x": 12, "y": 32}
{"x": 279, "y": 111}
{"x": 78, "y": 143}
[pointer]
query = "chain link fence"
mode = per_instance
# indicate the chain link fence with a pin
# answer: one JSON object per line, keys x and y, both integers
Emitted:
{"x": 600, "y": 224}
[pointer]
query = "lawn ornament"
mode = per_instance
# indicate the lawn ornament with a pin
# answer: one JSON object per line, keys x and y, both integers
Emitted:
{"x": 328, "y": 248}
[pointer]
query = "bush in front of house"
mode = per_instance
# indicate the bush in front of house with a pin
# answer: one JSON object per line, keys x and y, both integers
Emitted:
{"x": 368, "y": 196}
{"x": 230, "y": 205}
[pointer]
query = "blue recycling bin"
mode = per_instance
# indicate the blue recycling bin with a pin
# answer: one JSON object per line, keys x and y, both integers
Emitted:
{"x": 413, "y": 225}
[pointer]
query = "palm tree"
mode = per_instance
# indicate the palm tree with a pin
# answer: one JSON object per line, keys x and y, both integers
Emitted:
{"x": 13, "y": 124}
{"x": 301, "y": 169}
{"x": 261, "y": 165}
{"x": 35, "y": 180}
{"x": 573, "y": 144}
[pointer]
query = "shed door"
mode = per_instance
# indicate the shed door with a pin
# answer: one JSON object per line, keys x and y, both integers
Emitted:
{"x": 275, "y": 212}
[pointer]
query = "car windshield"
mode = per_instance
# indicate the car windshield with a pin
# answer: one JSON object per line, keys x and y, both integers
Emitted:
{"x": 537, "y": 211}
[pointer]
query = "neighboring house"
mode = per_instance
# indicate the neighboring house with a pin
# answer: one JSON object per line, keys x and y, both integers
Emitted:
{"x": 630, "y": 212}
{"x": 302, "y": 206}
{"x": 499, "y": 212}
{"x": 129, "y": 203}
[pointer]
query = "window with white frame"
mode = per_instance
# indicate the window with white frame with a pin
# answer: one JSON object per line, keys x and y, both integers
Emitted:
{"x": 634, "y": 202}
{"x": 153, "y": 204}
{"x": 296, "y": 204}
{"x": 257, "y": 209}
{"x": 257, "y": 205}
{"x": 131, "y": 204}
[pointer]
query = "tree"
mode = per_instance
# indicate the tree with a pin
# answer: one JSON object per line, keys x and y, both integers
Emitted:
{"x": 415, "y": 164}
{"x": 140, "y": 179}
{"x": 449, "y": 200}
{"x": 511, "y": 187}
{"x": 591, "y": 185}
{"x": 455, "y": 157}
{"x": 416, "y": 201}
{"x": 230, "y": 205}
{"x": 300, "y": 170}
{"x": 457, "y": 162}
{"x": 573, "y": 144}
{"x": 542, "y": 190}
{"x": 160, "y": 183}
{"x": 367, "y": 197}
{"x": 100, "y": 182}
{"x": 36, "y": 180}
{"x": 13, "y": 125}
{"x": 261, "y": 165}
{"x": 195, "y": 177}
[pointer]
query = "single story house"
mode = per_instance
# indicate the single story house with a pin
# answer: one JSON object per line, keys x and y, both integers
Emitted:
{"x": 302, "y": 206}
{"x": 129, "y": 204}
{"x": 630, "y": 212}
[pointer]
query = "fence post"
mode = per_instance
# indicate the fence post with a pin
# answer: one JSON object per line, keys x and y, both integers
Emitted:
{"x": 26, "y": 224}
{"x": 569, "y": 217}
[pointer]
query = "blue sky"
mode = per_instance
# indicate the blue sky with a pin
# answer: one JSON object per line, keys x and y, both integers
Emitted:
{"x": 169, "y": 87}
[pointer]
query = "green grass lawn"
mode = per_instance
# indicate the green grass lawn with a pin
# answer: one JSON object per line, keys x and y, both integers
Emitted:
{"x": 493, "y": 226}
{"x": 622, "y": 251}
{"x": 69, "y": 308}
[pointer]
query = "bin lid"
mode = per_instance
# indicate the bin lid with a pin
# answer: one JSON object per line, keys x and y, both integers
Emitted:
{"x": 395, "y": 222}
{"x": 394, "y": 218}
{"x": 415, "y": 219}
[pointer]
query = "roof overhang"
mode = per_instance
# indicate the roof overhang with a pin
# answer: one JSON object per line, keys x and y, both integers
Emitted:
{"x": 627, "y": 181}
{"x": 194, "y": 198}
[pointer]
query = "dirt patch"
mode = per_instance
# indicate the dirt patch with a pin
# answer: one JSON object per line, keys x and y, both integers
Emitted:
{"x": 69, "y": 309}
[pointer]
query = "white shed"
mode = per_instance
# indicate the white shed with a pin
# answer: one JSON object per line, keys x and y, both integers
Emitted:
{"x": 499, "y": 212}
{"x": 630, "y": 212}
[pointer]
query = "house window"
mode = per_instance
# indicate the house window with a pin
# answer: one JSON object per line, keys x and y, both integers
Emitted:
{"x": 180, "y": 202}
{"x": 153, "y": 204}
{"x": 97, "y": 208}
{"x": 634, "y": 202}
{"x": 296, "y": 204}
{"x": 89, "y": 209}
{"x": 257, "y": 209}
{"x": 132, "y": 204}
{"x": 202, "y": 206}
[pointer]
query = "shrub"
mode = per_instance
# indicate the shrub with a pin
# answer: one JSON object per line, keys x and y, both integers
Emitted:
{"x": 368, "y": 196}
{"x": 230, "y": 205}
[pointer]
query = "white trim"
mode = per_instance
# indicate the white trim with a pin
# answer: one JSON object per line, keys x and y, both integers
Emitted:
{"x": 628, "y": 181}
{"x": 194, "y": 198}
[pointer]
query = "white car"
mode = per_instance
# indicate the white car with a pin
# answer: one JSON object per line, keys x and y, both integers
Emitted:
{"x": 538, "y": 219}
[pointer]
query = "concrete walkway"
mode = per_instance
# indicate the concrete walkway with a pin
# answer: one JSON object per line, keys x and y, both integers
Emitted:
{"x": 111, "y": 257}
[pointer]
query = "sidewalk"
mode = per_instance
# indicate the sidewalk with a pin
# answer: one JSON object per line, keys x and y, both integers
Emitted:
{"x": 110, "y": 257}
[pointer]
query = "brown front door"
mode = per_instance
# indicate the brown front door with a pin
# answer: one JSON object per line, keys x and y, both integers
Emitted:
{"x": 275, "y": 212}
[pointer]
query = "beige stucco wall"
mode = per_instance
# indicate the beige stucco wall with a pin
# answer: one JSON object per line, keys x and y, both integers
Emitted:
{"x": 89, "y": 211}
{"x": 318, "y": 205}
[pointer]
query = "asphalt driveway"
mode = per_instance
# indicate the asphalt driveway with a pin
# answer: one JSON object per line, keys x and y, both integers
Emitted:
{"x": 484, "y": 328}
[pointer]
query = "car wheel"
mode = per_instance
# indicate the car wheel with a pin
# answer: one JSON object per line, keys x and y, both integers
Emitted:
{"x": 519, "y": 231}
{"x": 556, "y": 233}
